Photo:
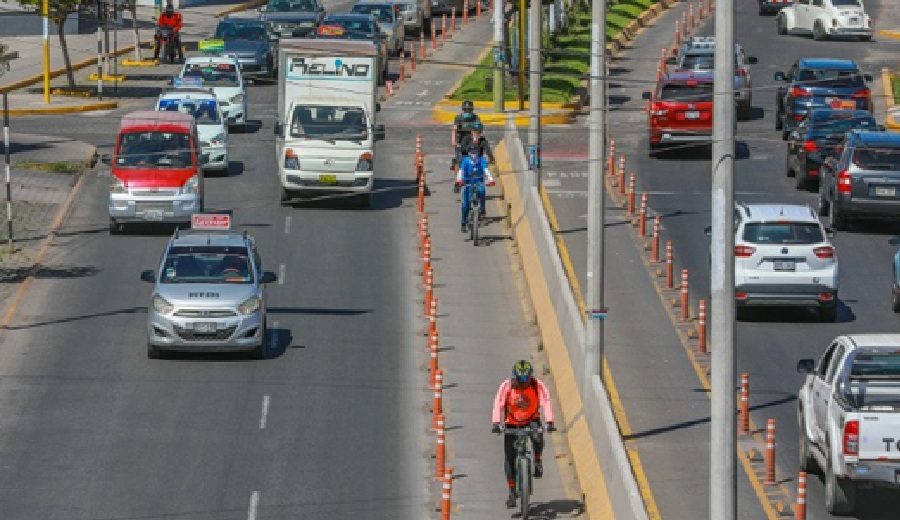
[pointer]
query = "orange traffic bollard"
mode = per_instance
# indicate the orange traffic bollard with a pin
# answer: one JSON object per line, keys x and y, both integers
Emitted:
{"x": 685, "y": 296}
{"x": 443, "y": 29}
{"x": 422, "y": 49}
{"x": 412, "y": 59}
{"x": 642, "y": 217}
{"x": 420, "y": 197}
{"x": 429, "y": 289}
{"x": 389, "y": 86}
{"x": 670, "y": 265}
{"x": 684, "y": 25}
{"x": 465, "y": 19}
{"x": 744, "y": 406}
{"x": 621, "y": 176}
{"x": 632, "y": 180}
{"x": 440, "y": 447}
{"x": 677, "y": 34}
{"x": 426, "y": 258}
{"x": 701, "y": 327}
{"x": 654, "y": 244}
{"x": 402, "y": 74}
{"x": 432, "y": 317}
{"x": 612, "y": 157}
{"x": 437, "y": 406}
{"x": 446, "y": 492}
{"x": 800, "y": 509}
{"x": 452, "y": 20}
{"x": 477, "y": 7}
{"x": 432, "y": 359}
{"x": 691, "y": 21}
{"x": 433, "y": 36}
{"x": 770, "y": 453}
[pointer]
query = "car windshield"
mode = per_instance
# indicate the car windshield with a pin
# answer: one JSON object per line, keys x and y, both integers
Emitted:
{"x": 382, "y": 13}
{"x": 831, "y": 78}
{"x": 783, "y": 233}
{"x": 162, "y": 150}
{"x": 846, "y": 3}
{"x": 280, "y": 6}
{"x": 329, "y": 123}
{"x": 876, "y": 364}
{"x": 840, "y": 125}
{"x": 349, "y": 29}
{"x": 698, "y": 93}
{"x": 207, "y": 264}
{"x": 213, "y": 74}
{"x": 241, "y": 31}
{"x": 204, "y": 111}
{"x": 884, "y": 159}
{"x": 697, "y": 61}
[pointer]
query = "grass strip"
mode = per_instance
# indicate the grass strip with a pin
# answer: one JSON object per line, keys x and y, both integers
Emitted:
{"x": 895, "y": 87}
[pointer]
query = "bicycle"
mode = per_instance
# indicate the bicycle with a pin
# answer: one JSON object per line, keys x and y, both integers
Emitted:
{"x": 523, "y": 465}
{"x": 474, "y": 215}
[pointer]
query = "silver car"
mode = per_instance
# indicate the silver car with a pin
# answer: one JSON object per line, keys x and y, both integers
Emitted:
{"x": 413, "y": 15}
{"x": 698, "y": 53}
{"x": 389, "y": 19}
{"x": 208, "y": 294}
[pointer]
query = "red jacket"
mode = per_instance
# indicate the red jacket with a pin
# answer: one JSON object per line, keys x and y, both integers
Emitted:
{"x": 173, "y": 21}
{"x": 520, "y": 406}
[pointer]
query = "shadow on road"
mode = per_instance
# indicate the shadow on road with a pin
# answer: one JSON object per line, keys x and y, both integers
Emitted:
{"x": 81, "y": 317}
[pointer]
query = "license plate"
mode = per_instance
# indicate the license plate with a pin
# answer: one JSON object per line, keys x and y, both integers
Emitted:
{"x": 854, "y": 21}
{"x": 204, "y": 327}
{"x": 153, "y": 214}
{"x": 692, "y": 115}
{"x": 328, "y": 179}
{"x": 885, "y": 191}
{"x": 785, "y": 265}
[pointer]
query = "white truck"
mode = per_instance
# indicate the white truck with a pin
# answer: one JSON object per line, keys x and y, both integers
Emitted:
{"x": 326, "y": 118}
{"x": 849, "y": 416}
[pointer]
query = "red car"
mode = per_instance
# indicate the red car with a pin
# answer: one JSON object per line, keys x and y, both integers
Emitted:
{"x": 681, "y": 110}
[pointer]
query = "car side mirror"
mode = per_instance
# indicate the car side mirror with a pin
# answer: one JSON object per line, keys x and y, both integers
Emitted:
{"x": 779, "y": 76}
{"x": 894, "y": 241}
{"x": 707, "y": 231}
{"x": 268, "y": 277}
{"x": 106, "y": 159}
{"x": 379, "y": 132}
{"x": 646, "y": 95}
{"x": 868, "y": 78}
{"x": 806, "y": 366}
{"x": 279, "y": 129}
{"x": 148, "y": 276}
{"x": 830, "y": 232}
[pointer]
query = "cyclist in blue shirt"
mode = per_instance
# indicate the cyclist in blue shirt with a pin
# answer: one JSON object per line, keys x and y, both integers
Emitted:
{"x": 473, "y": 173}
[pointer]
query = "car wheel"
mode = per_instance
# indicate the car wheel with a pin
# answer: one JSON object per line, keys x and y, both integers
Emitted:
{"x": 895, "y": 302}
{"x": 818, "y": 32}
{"x": 114, "y": 227}
{"x": 800, "y": 181}
{"x": 740, "y": 313}
{"x": 153, "y": 352}
{"x": 867, "y": 38}
{"x": 824, "y": 206}
{"x": 653, "y": 150}
{"x": 838, "y": 220}
{"x": 785, "y": 134}
{"x": 745, "y": 111}
{"x": 828, "y": 312}
{"x": 840, "y": 494}
{"x": 807, "y": 463}
{"x": 261, "y": 351}
{"x": 781, "y": 25}
{"x": 779, "y": 124}
{"x": 363, "y": 200}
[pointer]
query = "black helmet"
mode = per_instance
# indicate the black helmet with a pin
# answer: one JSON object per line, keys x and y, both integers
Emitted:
{"x": 169, "y": 8}
{"x": 522, "y": 371}
{"x": 468, "y": 106}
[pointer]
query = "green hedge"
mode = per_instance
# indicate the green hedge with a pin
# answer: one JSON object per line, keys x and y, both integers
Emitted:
{"x": 895, "y": 86}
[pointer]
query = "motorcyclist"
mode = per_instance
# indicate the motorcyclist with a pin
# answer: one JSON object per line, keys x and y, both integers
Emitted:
{"x": 476, "y": 138}
{"x": 519, "y": 402}
{"x": 171, "y": 19}
{"x": 462, "y": 123}
{"x": 473, "y": 172}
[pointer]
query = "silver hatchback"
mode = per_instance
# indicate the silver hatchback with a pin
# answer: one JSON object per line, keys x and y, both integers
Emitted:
{"x": 208, "y": 294}
{"x": 698, "y": 53}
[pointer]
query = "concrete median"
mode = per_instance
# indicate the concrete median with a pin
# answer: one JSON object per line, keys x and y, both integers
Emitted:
{"x": 601, "y": 459}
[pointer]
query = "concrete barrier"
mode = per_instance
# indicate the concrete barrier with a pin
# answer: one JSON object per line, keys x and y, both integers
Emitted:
{"x": 591, "y": 429}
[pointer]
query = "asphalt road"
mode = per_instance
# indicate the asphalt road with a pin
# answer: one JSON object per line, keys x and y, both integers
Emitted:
{"x": 770, "y": 343}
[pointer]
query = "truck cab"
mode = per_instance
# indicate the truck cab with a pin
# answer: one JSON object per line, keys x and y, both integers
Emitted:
{"x": 154, "y": 170}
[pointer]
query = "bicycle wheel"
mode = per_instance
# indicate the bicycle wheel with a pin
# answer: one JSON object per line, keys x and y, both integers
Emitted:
{"x": 475, "y": 212}
{"x": 523, "y": 471}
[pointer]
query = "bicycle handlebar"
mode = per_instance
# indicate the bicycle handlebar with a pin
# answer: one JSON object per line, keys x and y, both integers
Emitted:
{"x": 523, "y": 430}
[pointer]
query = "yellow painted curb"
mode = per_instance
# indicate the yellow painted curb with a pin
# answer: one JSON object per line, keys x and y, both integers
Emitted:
{"x": 111, "y": 78}
{"x": 454, "y": 105}
{"x": 890, "y": 33}
{"x": 142, "y": 63}
{"x": 241, "y": 7}
{"x": 66, "y": 109}
{"x": 55, "y": 73}
{"x": 446, "y": 115}
{"x": 71, "y": 93}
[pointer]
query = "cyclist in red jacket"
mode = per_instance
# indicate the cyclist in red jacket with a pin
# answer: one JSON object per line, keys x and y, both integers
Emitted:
{"x": 520, "y": 401}
{"x": 169, "y": 18}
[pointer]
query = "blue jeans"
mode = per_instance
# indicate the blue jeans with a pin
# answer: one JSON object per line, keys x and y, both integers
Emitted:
{"x": 467, "y": 198}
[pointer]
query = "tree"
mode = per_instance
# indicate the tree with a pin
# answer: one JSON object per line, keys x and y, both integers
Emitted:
{"x": 60, "y": 10}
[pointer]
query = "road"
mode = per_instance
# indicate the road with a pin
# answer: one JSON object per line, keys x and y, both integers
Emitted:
{"x": 770, "y": 343}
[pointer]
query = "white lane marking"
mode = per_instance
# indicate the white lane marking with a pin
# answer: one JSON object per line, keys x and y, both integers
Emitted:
{"x": 273, "y": 341}
{"x": 551, "y": 183}
{"x": 265, "y": 412}
{"x": 254, "y": 503}
{"x": 281, "y": 271}
{"x": 423, "y": 93}
{"x": 287, "y": 225}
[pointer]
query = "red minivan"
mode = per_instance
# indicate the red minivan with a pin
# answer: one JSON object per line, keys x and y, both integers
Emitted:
{"x": 681, "y": 110}
{"x": 154, "y": 171}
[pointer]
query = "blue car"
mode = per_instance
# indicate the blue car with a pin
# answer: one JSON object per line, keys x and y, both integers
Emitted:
{"x": 816, "y": 137}
{"x": 819, "y": 83}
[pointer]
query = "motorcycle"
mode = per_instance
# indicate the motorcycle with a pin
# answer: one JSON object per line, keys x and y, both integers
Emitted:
{"x": 168, "y": 43}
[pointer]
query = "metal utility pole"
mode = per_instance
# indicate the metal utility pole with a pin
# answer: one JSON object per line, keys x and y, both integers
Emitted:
{"x": 6, "y": 152}
{"x": 593, "y": 334}
{"x": 45, "y": 48}
{"x": 535, "y": 70}
{"x": 523, "y": 6}
{"x": 499, "y": 54}
{"x": 723, "y": 475}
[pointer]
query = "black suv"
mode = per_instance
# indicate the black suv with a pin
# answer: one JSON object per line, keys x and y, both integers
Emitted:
{"x": 863, "y": 179}
{"x": 815, "y": 137}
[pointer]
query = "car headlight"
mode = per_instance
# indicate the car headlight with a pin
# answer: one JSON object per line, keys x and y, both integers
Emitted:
{"x": 218, "y": 139}
{"x": 249, "y": 306}
{"x": 191, "y": 186}
{"x": 161, "y": 305}
{"x": 364, "y": 164}
{"x": 116, "y": 185}
{"x": 237, "y": 98}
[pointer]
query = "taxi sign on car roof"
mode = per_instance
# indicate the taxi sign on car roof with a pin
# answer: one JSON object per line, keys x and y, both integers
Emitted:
{"x": 331, "y": 30}
{"x": 211, "y": 45}
{"x": 187, "y": 81}
{"x": 211, "y": 221}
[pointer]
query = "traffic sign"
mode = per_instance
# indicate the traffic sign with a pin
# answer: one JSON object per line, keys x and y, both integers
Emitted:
{"x": 211, "y": 221}
{"x": 598, "y": 314}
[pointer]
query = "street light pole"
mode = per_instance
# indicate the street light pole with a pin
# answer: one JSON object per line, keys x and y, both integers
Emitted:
{"x": 593, "y": 336}
{"x": 523, "y": 6}
{"x": 723, "y": 442}
{"x": 45, "y": 12}
{"x": 534, "y": 91}
{"x": 499, "y": 54}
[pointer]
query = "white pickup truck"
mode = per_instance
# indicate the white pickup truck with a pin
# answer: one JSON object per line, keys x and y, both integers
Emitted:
{"x": 849, "y": 416}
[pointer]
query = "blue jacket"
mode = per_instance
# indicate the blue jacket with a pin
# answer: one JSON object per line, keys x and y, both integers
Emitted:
{"x": 470, "y": 171}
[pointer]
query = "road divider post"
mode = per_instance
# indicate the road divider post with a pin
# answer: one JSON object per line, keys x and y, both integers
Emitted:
{"x": 478, "y": 8}
{"x": 440, "y": 448}
{"x": 642, "y": 216}
{"x": 402, "y": 74}
{"x": 437, "y": 405}
{"x": 685, "y": 296}
{"x": 432, "y": 317}
{"x": 433, "y": 364}
{"x": 412, "y": 59}
{"x": 670, "y": 265}
{"x": 443, "y": 29}
{"x": 744, "y": 410}
{"x": 422, "y": 49}
{"x": 429, "y": 289}
{"x": 621, "y": 177}
{"x": 800, "y": 508}
{"x": 677, "y": 36}
{"x": 465, "y": 13}
{"x": 612, "y": 157}
{"x": 686, "y": 30}
{"x": 654, "y": 243}
{"x": 433, "y": 36}
{"x": 691, "y": 20}
{"x": 446, "y": 492}
{"x": 701, "y": 327}
{"x": 452, "y": 20}
{"x": 632, "y": 181}
{"x": 770, "y": 453}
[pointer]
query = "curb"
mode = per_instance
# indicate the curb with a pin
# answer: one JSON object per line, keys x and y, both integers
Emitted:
{"x": 445, "y": 112}
{"x": 892, "y": 110}
{"x": 66, "y": 109}
{"x": 241, "y": 7}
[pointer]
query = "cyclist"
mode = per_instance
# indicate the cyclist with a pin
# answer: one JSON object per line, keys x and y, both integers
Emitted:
{"x": 473, "y": 171}
{"x": 520, "y": 401}
{"x": 172, "y": 19}
{"x": 476, "y": 138}
{"x": 462, "y": 123}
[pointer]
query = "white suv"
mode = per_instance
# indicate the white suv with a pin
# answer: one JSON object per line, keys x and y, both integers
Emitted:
{"x": 782, "y": 257}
